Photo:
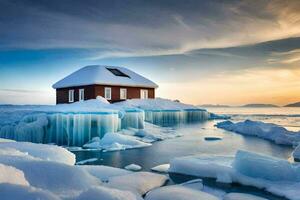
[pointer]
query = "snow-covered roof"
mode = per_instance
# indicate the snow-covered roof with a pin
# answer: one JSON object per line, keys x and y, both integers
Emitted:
{"x": 104, "y": 75}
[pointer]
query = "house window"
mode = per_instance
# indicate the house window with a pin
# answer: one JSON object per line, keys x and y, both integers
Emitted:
{"x": 81, "y": 94}
{"x": 71, "y": 96}
{"x": 123, "y": 93}
{"x": 144, "y": 94}
{"x": 107, "y": 93}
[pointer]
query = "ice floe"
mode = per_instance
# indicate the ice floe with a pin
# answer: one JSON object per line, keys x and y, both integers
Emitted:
{"x": 161, "y": 168}
{"x": 133, "y": 167}
{"x": 268, "y": 131}
{"x": 274, "y": 175}
{"x": 115, "y": 141}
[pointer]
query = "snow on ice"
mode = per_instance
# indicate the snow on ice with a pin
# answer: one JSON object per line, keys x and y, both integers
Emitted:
{"x": 268, "y": 131}
{"x": 178, "y": 192}
{"x": 139, "y": 182}
{"x": 78, "y": 123}
{"x": 274, "y": 175}
{"x": 133, "y": 167}
{"x": 32, "y": 176}
{"x": 161, "y": 168}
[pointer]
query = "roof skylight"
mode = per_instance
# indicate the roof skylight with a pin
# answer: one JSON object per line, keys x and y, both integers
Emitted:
{"x": 117, "y": 72}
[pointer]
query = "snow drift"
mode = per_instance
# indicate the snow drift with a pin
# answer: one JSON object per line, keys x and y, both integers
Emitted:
{"x": 26, "y": 173}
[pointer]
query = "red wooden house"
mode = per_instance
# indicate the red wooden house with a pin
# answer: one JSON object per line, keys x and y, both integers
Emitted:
{"x": 113, "y": 83}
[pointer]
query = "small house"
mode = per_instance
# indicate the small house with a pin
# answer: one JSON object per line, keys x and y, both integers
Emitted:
{"x": 113, "y": 83}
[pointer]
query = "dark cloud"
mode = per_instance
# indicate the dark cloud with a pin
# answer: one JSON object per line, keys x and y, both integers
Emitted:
{"x": 129, "y": 27}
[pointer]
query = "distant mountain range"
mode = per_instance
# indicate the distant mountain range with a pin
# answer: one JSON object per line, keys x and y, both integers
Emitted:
{"x": 214, "y": 106}
{"x": 297, "y": 104}
{"x": 259, "y": 105}
{"x": 251, "y": 105}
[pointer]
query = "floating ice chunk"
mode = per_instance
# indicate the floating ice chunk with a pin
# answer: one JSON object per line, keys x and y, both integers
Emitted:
{"x": 103, "y": 193}
{"x": 296, "y": 153}
{"x": 178, "y": 193}
{"x": 139, "y": 182}
{"x": 152, "y": 133}
{"x": 42, "y": 151}
{"x": 116, "y": 141}
{"x": 103, "y": 173}
{"x": 269, "y": 168}
{"x": 218, "y": 116}
{"x": 165, "y": 112}
{"x": 218, "y": 167}
{"x": 268, "y": 131}
{"x": 161, "y": 168}
{"x": 274, "y": 175}
{"x": 94, "y": 143}
{"x": 20, "y": 192}
{"x": 243, "y": 196}
{"x": 82, "y": 162}
{"x": 12, "y": 175}
{"x": 133, "y": 167}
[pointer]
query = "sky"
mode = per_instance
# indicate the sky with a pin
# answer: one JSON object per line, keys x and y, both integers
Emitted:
{"x": 199, "y": 52}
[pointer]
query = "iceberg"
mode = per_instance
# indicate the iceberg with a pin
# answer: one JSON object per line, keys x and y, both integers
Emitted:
{"x": 166, "y": 112}
{"x": 78, "y": 123}
{"x": 267, "y": 131}
{"x": 274, "y": 175}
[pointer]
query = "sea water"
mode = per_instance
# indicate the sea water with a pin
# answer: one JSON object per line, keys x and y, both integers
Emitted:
{"x": 288, "y": 117}
{"x": 193, "y": 142}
